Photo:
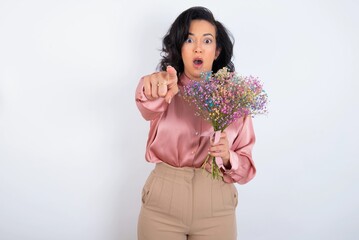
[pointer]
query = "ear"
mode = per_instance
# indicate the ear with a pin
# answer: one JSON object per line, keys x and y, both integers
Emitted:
{"x": 218, "y": 51}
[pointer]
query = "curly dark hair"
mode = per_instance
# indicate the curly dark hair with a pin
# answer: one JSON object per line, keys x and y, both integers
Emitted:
{"x": 178, "y": 33}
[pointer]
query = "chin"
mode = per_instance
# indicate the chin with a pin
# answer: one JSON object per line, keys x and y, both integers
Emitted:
{"x": 196, "y": 73}
{"x": 197, "y": 76}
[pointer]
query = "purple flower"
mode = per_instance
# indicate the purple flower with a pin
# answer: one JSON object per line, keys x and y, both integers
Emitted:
{"x": 223, "y": 98}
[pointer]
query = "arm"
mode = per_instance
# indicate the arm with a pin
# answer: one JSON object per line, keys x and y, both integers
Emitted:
{"x": 155, "y": 91}
{"x": 241, "y": 168}
{"x": 149, "y": 109}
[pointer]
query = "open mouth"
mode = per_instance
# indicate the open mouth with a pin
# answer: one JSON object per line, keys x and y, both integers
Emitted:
{"x": 198, "y": 62}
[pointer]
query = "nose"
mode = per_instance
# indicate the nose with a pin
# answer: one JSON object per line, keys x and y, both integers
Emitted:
{"x": 198, "y": 48}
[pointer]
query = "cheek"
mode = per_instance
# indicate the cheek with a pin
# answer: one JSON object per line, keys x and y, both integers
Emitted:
{"x": 211, "y": 56}
{"x": 211, "y": 52}
{"x": 184, "y": 55}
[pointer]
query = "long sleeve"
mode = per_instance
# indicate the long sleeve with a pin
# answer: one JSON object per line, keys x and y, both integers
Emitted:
{"x": 243, "y": 168}
{"x": 149, "y": 109}
{"x": 176, "y": 136}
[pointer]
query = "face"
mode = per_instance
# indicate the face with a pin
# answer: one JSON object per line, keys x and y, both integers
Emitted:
{"x": 200, "y": 49}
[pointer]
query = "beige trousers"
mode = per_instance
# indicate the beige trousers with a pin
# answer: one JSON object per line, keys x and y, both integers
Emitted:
{"x": 186, "y": 203}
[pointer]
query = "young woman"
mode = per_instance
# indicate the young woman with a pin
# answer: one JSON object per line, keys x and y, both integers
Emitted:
{"x": 179, "y": 199}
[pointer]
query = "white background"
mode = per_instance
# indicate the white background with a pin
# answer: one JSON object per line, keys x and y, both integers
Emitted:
{"x": 72, "y": 141}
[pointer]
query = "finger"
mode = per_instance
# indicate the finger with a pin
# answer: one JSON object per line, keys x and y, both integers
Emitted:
{"x": 147, "y": 87}
{"x": 162, "y": 84}
{"x": 217, "y": 146}
{"x": 218, "y": 150}
{"x": 172, "y": 83}
{"x": 171, "y": 76}
{"x": 215, "y": 138}
{"x": 223, "y": 155}
{"x": 162, "y": 89}
{"x": 216, "y": 154}
{"x": 214, "y": 149}
{"x": 154, "y": 87}
{"x": 170, "y": 93}
{"x": 223, "y": 134}
{"x": 172, "y": 73}
{"x": 222, "y": 141}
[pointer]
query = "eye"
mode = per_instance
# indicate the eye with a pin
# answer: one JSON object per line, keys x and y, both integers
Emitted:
{"x": 207, "y": 41}
{"x": 188, "y": 40}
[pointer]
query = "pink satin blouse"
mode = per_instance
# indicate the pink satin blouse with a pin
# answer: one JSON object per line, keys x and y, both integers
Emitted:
{"x": 176, "y": 136}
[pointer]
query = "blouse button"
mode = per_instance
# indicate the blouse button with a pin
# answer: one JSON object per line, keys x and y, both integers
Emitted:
{"x": 196, "y": 133}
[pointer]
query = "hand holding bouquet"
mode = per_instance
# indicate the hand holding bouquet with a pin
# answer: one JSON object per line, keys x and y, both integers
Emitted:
{"x": 222, "y": 98}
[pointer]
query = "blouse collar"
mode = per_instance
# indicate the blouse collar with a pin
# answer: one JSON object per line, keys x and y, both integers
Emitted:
{"x": 184, "y": 79}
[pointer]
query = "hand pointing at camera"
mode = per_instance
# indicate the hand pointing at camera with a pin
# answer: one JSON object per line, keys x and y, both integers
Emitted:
{"x": 161, "y": 84}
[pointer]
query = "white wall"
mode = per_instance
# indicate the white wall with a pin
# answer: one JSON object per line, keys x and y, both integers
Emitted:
{"x": 72, "y": 141}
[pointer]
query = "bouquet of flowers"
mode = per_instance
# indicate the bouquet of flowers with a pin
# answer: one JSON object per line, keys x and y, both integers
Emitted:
{"x": 222, "y": 98}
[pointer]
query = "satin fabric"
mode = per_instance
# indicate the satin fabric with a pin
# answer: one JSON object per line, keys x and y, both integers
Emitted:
{"x": 176, "y": 136}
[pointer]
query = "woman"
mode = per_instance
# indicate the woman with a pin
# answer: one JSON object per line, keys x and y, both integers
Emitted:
{"x": 179, "y": 199}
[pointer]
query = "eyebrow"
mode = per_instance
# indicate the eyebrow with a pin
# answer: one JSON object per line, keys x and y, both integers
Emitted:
{"x": 206, "y": 34}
